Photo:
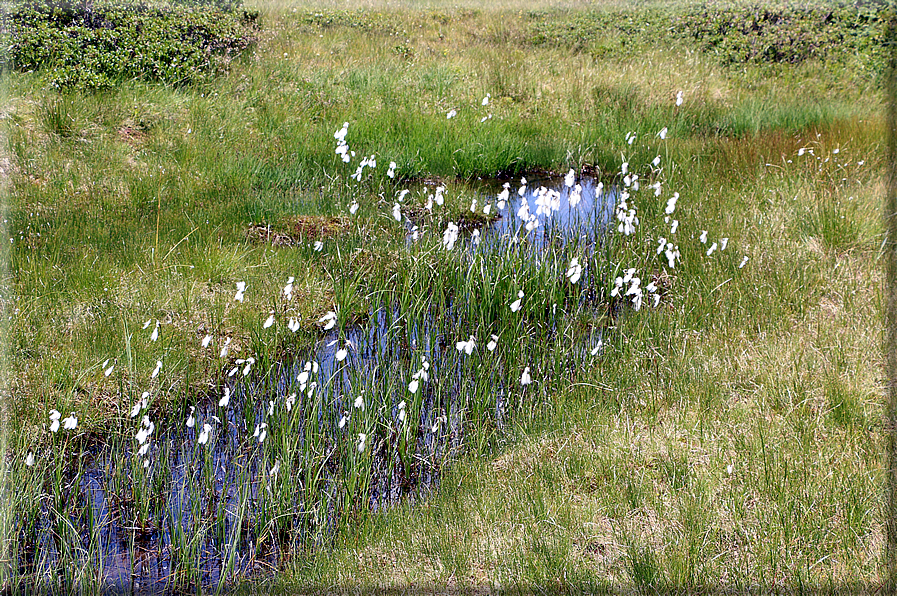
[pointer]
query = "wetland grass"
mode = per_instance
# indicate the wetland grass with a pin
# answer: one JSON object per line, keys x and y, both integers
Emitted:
{"x": 430, "y": 380}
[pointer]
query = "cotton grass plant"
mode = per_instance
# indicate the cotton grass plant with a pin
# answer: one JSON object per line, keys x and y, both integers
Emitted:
{"x": 622, "y": 383}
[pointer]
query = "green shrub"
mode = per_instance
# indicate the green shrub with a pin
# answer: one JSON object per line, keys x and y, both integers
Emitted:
{"x": 95, "y": 45}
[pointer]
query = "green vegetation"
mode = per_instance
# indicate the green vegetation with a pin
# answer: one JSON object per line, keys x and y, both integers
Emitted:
{"x": 96, "y": 45}
{"x": 726, "y": 436}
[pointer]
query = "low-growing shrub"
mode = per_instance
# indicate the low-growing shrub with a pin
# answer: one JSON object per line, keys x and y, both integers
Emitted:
{"x": 92, "y": 45}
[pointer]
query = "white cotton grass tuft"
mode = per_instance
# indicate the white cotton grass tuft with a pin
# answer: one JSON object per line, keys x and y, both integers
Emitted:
{"x": 703, "y": 237}
{"x": 318, "y": 246}
{"x": 515, "y": 306}
{"x": 141, "y": 404}
{"x": 451, "y": 114}
{"x": 743, "y": 262}
{"x": 493, "y": 343}
{"x": 204, "y": 434}
{"x": 574, "y": 272}
{"x": 525, "y": 378}
{"x": 225, "y": 399}
{"x": 157, "y": 369}
{"x": 29, "y": 459}
{"x": 268, "y": 322}
{"x": 108, "y": 371}
{"x": 241, "y": 288}
{"x": 155, "y": 334}
{"x": 329, "y": 320}
{"x": 575, "y": 196}
{"x": 362, "y": 441}
{"x": 54, "y": 420}
{"x": 70, "y": 423}
{"x": 397, "y": 212}
{"x": 206, "y": 341}
{"x": 671, "y": 204}
{"x": 450, "y": 236}
{"x": 679, "y": 98}
{"x": 467, "y": 346}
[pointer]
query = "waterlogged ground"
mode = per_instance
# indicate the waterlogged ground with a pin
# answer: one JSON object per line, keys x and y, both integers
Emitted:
{"x": 246, "y": 340}
{"x": 274, "y": 459}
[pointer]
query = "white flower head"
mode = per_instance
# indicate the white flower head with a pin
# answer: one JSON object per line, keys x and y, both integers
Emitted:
{"x": 574, "y": 272}
{"x": 70, "y": 423}
{"x": 493, "y": 342}
{"x": 671, "y": 204}
{"x": 54, "y": 420}
{"x": 450, "y": 236}
{"x": 329, "y": 320}
{"x": 342, "y": 353}
{"x": 204, "y": 434}
{"x": 525, "y": 378}
{"x": 241, "y": 288}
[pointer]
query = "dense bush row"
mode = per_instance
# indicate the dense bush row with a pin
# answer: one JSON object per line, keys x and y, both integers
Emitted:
{"x": 790, "y": 35}
{"x": 97, "y": 44}
{"x": 741, "y": 34}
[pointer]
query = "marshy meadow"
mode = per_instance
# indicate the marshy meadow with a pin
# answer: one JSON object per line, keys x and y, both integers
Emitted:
{"x": 420, "y": 295}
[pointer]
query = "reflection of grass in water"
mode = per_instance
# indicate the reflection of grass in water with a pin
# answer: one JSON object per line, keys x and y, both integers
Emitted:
{"x": 686, "y": 383}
